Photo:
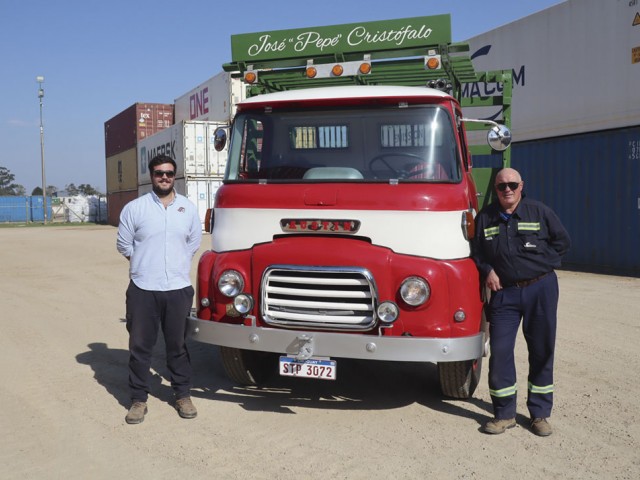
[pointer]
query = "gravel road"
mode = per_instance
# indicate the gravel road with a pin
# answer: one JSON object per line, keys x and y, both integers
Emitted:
{"x": 63, "y": 351}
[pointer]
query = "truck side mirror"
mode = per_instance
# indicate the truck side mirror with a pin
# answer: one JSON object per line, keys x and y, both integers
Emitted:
{"x": 499, "y": 138}
{"x": 219, "y": 139}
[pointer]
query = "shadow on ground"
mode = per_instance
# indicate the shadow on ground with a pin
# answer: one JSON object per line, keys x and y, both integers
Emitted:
{"x": 360, "y": 385}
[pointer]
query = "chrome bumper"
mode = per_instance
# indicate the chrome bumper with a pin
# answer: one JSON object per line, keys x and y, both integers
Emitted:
{"x": 303, "y": 344}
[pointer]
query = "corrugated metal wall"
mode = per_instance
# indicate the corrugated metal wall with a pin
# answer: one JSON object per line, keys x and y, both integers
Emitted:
{"x": 592, "y": 181}
{"x": 23, "y": 209}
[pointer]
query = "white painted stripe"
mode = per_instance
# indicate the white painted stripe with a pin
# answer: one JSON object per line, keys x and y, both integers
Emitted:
{"x": 435, "y": 235}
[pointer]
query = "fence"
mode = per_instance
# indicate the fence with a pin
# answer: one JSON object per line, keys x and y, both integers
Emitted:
{"x": 77, "y": 209}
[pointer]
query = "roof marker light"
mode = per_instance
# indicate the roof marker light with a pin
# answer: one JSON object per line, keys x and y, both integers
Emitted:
{"x": 337, "y": 70}
{"x": 365, "y": 68}
{"x": 433, "y": 63}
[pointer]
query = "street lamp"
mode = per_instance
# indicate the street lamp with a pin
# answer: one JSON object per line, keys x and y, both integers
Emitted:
{"x": 40, "y": 80}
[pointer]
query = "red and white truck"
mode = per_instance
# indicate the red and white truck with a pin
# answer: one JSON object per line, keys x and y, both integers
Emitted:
{"x": 342, "y": 228}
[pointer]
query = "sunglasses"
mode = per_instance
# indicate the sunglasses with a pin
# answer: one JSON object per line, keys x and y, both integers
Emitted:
{"x": 512, "y": 186}
{"x": 162, "y": 173}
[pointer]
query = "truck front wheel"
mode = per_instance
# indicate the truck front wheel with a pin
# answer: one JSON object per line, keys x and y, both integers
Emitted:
{"x": 459, "y": 379}
{"x": 247, "y": 367}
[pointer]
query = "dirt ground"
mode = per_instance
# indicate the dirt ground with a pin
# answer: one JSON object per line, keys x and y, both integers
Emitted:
{"x": 63, "y": 352}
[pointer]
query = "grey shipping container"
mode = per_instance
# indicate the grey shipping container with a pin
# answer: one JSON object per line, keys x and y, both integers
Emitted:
{"x": 576, "y": 68}
{"x": 592, "y": 181}
{"x": 139, "y": 121}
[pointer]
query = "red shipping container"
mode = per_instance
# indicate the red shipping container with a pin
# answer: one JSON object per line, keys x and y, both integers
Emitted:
{"x": 139, "y": 121}
{"x": 116, "y": 202}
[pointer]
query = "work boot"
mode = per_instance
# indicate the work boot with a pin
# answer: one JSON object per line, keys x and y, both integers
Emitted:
{"x": 136, "y": 412}
{"x": 497, "y": 426}
{"x": 541, "y": 427}
{"x": 185, "y": 408}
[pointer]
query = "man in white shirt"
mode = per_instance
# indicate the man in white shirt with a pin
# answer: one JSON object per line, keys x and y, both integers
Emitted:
{"x": 159, "y": 233}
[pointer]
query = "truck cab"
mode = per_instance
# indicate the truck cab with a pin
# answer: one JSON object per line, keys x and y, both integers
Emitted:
{"x": 342, "y": 229}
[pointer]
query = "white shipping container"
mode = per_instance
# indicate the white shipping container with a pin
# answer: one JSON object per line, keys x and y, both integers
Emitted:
{"x": 201, "y": 192}
{"x": 576, "y": 67}
{"x": 212, "y": 101}
{"x": 190, "y": 144}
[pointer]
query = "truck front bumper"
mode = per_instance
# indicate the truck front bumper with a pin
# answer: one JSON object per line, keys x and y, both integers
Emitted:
{"x": 304, "y": 344}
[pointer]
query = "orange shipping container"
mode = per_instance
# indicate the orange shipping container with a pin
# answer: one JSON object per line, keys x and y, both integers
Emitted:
{"x": 122, "y": 171}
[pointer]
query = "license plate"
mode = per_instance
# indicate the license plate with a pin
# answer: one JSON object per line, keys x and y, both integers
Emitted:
{"x": 320, "y": 368}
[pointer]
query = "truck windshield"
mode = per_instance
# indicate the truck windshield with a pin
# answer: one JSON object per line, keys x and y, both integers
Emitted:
{"x": 415, "y": 144}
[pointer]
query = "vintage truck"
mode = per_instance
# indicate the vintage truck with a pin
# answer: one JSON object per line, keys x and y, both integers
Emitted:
{"x": 342, "y": 228}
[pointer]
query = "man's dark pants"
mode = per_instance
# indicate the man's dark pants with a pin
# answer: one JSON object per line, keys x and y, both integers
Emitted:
{"x": 147, "y": 311}
{"x": 537, "y": 306}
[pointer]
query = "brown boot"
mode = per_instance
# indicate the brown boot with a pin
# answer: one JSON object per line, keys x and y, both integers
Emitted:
{"x": 541, "y": 427}
{"x": 496, "y": 426}
{"x": 185, "y": 408}
{"x": 136, "y": 413}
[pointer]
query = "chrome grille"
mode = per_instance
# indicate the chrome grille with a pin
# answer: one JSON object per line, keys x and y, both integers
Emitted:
{"x": 336, "y": 298}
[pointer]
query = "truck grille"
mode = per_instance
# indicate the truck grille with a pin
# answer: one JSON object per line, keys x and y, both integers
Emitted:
{"x": 335, "y": 298}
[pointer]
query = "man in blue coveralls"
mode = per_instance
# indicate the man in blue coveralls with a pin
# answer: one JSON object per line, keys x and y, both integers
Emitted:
{"x": 517, "y": 245}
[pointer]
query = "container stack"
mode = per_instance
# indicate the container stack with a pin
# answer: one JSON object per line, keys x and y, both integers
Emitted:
{"x": 122, "y": 134}
{"x": 200, "y": 168}
{"x": 576, "y": 121}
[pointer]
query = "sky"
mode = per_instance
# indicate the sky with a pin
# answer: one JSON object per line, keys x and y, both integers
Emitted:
{"x": 100, "y": 57}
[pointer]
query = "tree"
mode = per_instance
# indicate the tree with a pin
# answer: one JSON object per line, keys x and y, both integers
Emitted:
{"x": 7, "y": 187}
{"x": 82, "y": 189}
{"x": 51, "y": 191}
{"x": 72, "y": 190}
{"x": 86, "y": 189}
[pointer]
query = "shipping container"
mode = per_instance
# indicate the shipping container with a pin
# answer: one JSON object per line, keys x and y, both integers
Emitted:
{"x": 576, "y": 68}
{"x": 592, "y": 181}
{"x": 190, "y": 144}
{"x": 122, "y": 171}
{"x": 139, "y": 121}
{"x": 201, "y": 192}
{"x": 116, "y": 202}
{"x": 212, "y": 101}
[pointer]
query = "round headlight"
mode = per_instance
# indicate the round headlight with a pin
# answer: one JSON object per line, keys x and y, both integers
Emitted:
{"x": 415, "y": 291}
{"x": 243, "y": 303}
{"x": 387, "y": 312}
{"x": 230, "y": 283}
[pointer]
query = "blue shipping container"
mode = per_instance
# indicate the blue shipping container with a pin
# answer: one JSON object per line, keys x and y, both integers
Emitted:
{"x": 23, "y": 209}
{"x": 592, "y": 181}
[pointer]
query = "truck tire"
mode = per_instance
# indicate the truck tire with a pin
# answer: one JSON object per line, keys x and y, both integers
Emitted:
{"x": 247, "y": 367}
{"x": 459, "y": 379}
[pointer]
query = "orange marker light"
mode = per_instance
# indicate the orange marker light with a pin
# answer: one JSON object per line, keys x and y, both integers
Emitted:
{"x": 250, "y": 77}
{"x": 337, "y": 70}
{"x": 311, "y": 72}
{"x": 433, "y": 63}
{"x": 365, "y": 68}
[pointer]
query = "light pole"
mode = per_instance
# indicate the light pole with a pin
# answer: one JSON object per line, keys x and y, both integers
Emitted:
{"x": 40, "y": 80}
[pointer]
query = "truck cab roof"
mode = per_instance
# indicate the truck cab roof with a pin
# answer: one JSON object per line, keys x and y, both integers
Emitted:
{"x": 353, "y": 92}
